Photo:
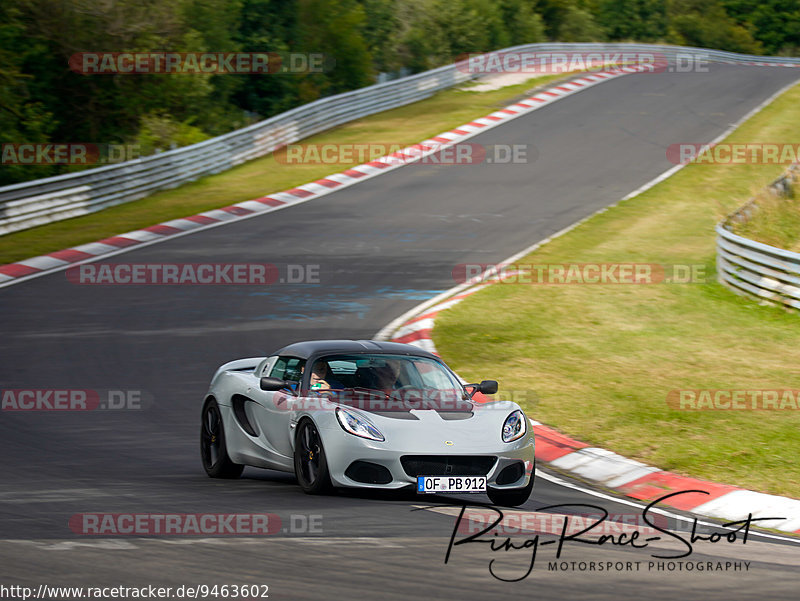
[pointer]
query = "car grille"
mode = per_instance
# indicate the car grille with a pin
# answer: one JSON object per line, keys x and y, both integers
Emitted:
{"x": 446, "y": 465}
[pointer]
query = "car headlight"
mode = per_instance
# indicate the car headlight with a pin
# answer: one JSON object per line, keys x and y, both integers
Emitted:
{"x": 514, "y": 427}
{"x": 358, "y": 426}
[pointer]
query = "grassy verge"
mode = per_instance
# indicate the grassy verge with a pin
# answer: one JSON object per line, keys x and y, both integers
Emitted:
{"x": 775, "y": 222}
{"x": 405, "y": 125}
{"x": 603, "y": 358}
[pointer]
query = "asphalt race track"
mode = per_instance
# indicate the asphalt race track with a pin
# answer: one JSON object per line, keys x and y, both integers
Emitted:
{"x": 382, "y": 246}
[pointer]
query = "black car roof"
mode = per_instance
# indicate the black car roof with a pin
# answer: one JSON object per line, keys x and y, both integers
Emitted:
{"x": 304, "y": 350}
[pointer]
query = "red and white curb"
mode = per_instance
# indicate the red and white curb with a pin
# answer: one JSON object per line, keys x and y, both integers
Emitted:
{"x": 604, "y": 467}
{"x": 14, "y": 273}
{"x": 760, "y": 64}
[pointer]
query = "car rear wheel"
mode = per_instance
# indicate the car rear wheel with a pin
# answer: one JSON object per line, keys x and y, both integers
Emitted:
{"x": 213, "y": 451}
{"x": 511, "y": 498}
{"x": 310, "y": 465}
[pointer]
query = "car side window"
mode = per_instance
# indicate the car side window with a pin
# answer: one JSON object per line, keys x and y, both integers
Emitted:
{"x": 266, "y": 369}
{"x": 288, "y": 368}
{"x": 431, "y": 377}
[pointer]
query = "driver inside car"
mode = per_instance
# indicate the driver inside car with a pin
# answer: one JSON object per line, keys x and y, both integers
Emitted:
{"x": 322, "y": 377}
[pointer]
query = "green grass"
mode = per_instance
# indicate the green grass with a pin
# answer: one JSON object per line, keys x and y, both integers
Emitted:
{"x": 601, "y": 359}
{"x": 406, "y": 125}
{"x": 776, "y": 221}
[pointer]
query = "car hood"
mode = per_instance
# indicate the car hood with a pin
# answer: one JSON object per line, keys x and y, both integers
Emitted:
{"x": 407, "y": 408}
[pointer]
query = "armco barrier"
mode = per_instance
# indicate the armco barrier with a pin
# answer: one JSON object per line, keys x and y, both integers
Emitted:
{"x": 37, "y": 202}
{"x": 751, "y": 268}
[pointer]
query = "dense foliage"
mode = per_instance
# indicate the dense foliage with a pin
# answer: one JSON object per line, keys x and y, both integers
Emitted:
{"x": 41, "y": 100}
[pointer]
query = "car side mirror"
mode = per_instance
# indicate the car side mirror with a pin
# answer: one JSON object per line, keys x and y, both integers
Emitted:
{"x": 488, "y": 387}
{"x": 274, "y": 384}
{"x": 485, "y": 387}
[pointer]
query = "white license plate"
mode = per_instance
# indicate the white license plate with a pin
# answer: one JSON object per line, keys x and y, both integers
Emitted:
{"x": 434, "y": 484}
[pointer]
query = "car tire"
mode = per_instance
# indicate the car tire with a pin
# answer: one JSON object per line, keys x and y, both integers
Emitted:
{"x": 511, "y": 497}
{"x": 213, "y": 451}
{"x": 310, "y": 463}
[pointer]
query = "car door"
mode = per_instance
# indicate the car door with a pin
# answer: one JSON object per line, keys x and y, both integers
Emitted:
{"x": 276, "y": 408}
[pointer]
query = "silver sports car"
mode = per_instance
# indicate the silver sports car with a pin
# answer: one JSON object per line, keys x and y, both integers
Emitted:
{"x": 366, "y": 414}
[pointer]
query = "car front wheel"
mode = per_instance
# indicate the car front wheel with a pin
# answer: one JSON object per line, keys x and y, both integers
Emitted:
{"x": 310, "y": 465}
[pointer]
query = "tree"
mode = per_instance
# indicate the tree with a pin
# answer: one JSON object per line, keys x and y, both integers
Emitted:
{"x": 268, "y": 26}
{"x": 333, "y": 28}
{"x": 774, "y": 23}
{"x": 578, "y": 25}
{"x": 640, "y": 20}
{"x": 380, "y": 31}
{"x": 524, "y": 24}
{"x": 23, "y": 119}
{"x": 42, "y": 100}
{"x": 705, "y": 23}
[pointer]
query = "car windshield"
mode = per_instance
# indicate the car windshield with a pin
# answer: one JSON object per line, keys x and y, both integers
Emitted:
{"x": 397, "y": 377}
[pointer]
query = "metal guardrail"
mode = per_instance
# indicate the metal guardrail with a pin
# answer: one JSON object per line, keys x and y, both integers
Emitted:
{"x": 42, "y": 201}
{"x": 752, "y": 268}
